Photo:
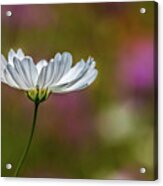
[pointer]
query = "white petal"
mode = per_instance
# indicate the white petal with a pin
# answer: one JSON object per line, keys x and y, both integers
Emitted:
{"x": 84, "y": 82}
{"x": 58, "y": 57}
{"x": 56, "y": 62}
{"x": 11, "y": 55}
{"x": 90, "y": 64}
{"x": 66, "y": 61}
{"x": 63, "y": 63}
{"x": 52, "y": 71}
{"x": 30, "y": 70}
{"x": 20, "y": 55}
{"x": 9, "y": 80}
{"x": 3, "y": 62}
{"x": 72, "y": 73}
{"x": 85, "y": 67}
{"x": 3, "y": 66}
{"x": 40, "y": 65}
{"x": 84, "y": 79}
{"x": 55, "y": 69}
{"x": 16, "y": 78}
{"x": 42, "y": 77}
{"x": 21, "y": 71}
{"x": 3, "y": 79}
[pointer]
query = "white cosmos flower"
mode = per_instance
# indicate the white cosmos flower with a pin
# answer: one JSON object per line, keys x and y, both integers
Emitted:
{"x": 55, "y": 76}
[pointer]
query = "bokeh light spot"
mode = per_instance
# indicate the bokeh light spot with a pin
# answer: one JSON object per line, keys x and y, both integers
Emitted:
{"x": 142, "y": 10}
{"x": 142, "y": 170}
{"x": 8, "y": 13}
{"x": 8, "y": 166}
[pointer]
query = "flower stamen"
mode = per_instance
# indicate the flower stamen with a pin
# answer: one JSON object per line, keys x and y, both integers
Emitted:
{"x": 38, "y": 95}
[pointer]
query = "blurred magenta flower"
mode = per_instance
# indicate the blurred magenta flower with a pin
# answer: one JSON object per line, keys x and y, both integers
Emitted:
{"x": 136, "y": 64}
{"x": 77, "y": 121}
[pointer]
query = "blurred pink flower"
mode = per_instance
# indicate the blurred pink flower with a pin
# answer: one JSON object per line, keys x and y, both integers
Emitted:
{"x": 75, "y": 116}
{"x": 136, "y": 65}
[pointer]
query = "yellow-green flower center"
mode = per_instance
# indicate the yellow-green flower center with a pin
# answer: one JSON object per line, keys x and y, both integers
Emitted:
{"x": 38, "y": 95}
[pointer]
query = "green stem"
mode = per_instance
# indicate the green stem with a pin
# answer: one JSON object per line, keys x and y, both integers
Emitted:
{"x": 23, "y": 157}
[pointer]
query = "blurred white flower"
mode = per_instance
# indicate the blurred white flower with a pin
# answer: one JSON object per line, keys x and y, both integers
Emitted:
{"x": 57, "y": 76}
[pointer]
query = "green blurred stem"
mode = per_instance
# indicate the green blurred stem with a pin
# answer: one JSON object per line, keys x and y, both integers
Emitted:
{"x": 22, "y": 159}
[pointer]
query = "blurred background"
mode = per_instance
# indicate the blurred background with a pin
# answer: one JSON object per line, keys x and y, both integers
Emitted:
{"x": 105, "y": 131}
